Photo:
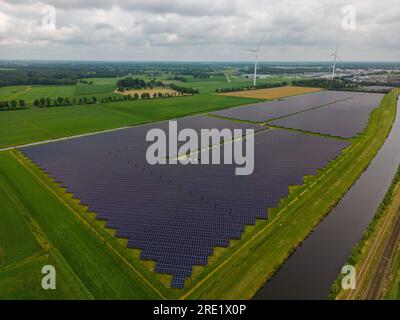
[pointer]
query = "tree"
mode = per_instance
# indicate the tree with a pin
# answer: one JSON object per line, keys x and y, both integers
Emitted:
{"x": 136, "y": 96}
{"x": 36, "y": 103}
{"x": 22, "y": 104}
{"x": 48, "y": 102}
{"x": 60, "y": 101}
{"x": 94, "y": 100}
{"x": 42, "y": 102}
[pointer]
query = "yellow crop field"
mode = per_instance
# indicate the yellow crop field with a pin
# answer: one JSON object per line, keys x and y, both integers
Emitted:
{"x": 272, "y": 93}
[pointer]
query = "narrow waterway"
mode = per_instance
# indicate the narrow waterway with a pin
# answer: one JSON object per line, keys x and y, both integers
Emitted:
{"x": 310, "y": 271}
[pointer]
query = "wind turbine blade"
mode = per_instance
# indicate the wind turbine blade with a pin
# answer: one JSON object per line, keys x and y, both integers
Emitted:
{"x": 337, "y": 47}
{"x": 261, "y": 42}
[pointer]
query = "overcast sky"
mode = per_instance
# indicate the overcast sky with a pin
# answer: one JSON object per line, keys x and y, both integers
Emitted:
{"x": 198, "y": 30}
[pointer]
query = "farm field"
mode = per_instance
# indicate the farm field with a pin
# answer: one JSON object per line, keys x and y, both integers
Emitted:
{"x": 209, "y": 85}
{"x": 37, "y": 124}
{"x": 15, "y": 246}
{"x": 93, "y": 89}
{"x": 272, "y": 93}
{"x": 151, "y": 91}
{"x": 31, "y": 93}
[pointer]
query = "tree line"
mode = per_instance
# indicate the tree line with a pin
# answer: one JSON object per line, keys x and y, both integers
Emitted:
{"x": 259, "y": 86}
{"x": 137, "y": 83}
{"x": 60, "y": 101}
{"x": 326, "y": 84}
{"x": 184, "y": 90}
{"x": 12, "y": 105}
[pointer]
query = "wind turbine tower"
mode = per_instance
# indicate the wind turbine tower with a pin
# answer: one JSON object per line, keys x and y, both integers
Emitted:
{"x": 335, "y": 58}
{"x": 256, "y": 51}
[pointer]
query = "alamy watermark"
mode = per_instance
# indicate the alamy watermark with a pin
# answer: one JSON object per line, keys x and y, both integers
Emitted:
{"x": 237, "y": 145}
{"x": 49, "y": 280}
{"x": 349, "y": 21}
{"x": 49, "y": 15}
{"x": 349, "y": 280}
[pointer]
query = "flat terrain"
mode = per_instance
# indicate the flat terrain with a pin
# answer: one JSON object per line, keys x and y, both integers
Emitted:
{"x": 151, "y": 91}
{"x": 272, "y": 93}
{"x": 36, "y": 124}
{"x": 31, "y": 93}
{"x": 61, "y": 232}
{"x": 209, "y": 85}
{"x": 185, "y": 198}
{"x": 82, "y": 260}
{"x": 235, "y": 272}
{"x": 343, "y": 118}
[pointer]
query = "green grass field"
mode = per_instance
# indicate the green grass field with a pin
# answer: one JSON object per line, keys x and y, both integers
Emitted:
{"x": 93, "y": 89}
{"x": 16, "y": 237}
{"x": 209, "y": 85}
{"x": 31, "y": 93}
{"x": 393, "y": 286}
{"x": 36, "y": 124}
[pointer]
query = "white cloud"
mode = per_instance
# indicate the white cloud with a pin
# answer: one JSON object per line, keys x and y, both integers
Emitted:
{"x": 198, "y": 30}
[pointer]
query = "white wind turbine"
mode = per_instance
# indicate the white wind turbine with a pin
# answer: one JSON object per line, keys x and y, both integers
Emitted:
{"x": 256, "y": 51}
{"x": 335, "y": 58}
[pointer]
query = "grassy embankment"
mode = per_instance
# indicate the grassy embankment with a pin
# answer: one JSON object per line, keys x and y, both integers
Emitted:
{"x": 393, "y": 286}
{"x": 370, "y": 251}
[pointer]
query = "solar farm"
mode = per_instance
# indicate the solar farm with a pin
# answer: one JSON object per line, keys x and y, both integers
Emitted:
{"x": 177, "y": 215}
{"x": 186, "y": 231}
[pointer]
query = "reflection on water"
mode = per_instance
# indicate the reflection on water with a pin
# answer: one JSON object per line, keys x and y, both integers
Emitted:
{"x": 310, "y": 271}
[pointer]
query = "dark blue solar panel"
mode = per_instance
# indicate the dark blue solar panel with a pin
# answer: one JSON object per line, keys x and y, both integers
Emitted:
{"x": 266, "y": 111}
{"x": 177, "y": 214}
{"x": 344, "y": 119}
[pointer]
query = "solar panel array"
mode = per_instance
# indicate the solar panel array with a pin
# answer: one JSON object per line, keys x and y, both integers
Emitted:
{"x": 177, "y": 214}
{"x": 267, "y": 111}
{"x": 264, "y": 111}
{"x": 344, "y": 119}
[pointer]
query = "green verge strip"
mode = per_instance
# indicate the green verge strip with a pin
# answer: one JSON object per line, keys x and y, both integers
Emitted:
{"x": 265, "y": 247}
